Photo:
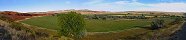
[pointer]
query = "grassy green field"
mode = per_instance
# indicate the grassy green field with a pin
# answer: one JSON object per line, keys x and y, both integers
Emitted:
{"x": 50, "y": 22}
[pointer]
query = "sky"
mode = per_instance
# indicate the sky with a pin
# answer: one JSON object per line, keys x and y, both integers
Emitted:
{"x": 99, "y": 5}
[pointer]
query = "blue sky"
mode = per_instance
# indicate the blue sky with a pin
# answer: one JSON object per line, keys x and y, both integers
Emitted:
{"x": 102, "y": 5}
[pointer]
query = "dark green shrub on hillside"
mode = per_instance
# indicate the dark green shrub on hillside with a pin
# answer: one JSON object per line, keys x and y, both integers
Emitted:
{"x": 142, "y": 16}
{"x": 157, "y": 23}
{"x": 95, "y": 16}
{"x": 72, "y": 25}
{"x": 184, "y": 15}
{"x": 16, "y": 26}
{"x": 5, "y": 18}
{"x": 176, "y": 20}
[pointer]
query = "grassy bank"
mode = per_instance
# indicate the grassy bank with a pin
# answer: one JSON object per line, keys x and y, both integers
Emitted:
{"x": 160, "y": 34}
{"x": 21, "y": 31}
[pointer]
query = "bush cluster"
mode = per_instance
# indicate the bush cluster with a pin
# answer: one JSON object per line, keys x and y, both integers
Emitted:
{"x": 157, "y": 23}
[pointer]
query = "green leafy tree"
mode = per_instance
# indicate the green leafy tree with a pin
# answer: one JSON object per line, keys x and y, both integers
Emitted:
{"x": 72, "y": 25}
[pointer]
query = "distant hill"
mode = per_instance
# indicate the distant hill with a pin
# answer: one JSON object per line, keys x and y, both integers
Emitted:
{"x": 86, "y": 11}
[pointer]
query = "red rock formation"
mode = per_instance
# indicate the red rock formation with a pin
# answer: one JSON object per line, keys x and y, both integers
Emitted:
{"x": 20, "y": 16}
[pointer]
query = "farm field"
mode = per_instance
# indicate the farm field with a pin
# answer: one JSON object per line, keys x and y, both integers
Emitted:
{"x": 50, "y": 22}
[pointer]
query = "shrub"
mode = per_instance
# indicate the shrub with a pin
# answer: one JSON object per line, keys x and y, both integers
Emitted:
{"x": 72, "y": 25}
{"x": 19, "y": 26}
{"x": 5, "y": 18}
{"x": 142, "y": 16}
{"x": 95, "y": 16}
{"x": 184, "y": 15}
{"x": 177, "y": 20}
{"x": 157, "y": 23}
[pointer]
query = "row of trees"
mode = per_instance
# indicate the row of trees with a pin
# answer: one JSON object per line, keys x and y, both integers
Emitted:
{"x": 105, "y": 17}
{"x": 114, "y": 17}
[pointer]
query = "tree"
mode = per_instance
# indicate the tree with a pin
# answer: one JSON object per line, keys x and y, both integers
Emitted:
{"x": 157, "y": 23}
{"x": 72, "y": 25}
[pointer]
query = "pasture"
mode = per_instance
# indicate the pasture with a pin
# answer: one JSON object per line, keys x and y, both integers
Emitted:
{"x": 50, "y": 22}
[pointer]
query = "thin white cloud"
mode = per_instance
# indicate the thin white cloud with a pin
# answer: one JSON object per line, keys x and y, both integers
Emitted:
{"x": 161, "y": 9}
{"x": 119, "y": 5}
{"x": 169, "y": 5}
{"x": 134, "y": 0}
{"x": 122, "y": 2}
{"x": 94, "y": 1}
{"x": 167, "y": 0}
{"x": 137, "y": 6}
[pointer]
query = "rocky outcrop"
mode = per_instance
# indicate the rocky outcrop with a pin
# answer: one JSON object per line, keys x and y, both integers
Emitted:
{"x": 19, "y": 16}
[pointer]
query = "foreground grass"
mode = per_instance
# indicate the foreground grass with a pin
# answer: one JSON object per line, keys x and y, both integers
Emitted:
{"x": 50, "y": 22}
